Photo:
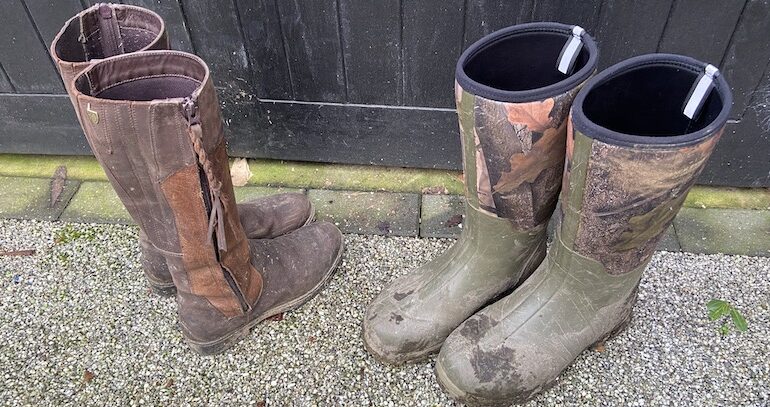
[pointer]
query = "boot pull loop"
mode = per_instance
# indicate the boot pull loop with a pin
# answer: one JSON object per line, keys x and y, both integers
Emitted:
{"x": 700, "y": 92}
{"x": 570, "y": 51}
{"x": 109, "y": 31}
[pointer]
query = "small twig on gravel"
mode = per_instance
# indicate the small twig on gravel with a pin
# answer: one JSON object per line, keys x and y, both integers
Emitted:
{"x": 22, "y": 252}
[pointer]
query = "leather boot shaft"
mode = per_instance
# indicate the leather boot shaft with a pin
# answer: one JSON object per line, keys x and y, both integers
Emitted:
{"x": 106, "y": 30}
{"x": 153, "y": 121}
{"x": 102, "y": 31}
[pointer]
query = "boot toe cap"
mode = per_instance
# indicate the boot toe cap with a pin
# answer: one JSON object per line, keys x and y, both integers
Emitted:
{"x": 275, "y": 215}
{"x": 394, "y": 336}
{"x": 476, "y": 374}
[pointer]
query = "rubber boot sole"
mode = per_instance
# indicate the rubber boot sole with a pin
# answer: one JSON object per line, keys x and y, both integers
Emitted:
{"x": 457, "y": 394}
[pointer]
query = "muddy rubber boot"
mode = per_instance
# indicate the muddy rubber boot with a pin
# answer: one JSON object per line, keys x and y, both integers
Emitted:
{"x": 512, "y": 105}
{"x": 106, "y": 30}
{"x": 640, "y": 134}
{"x": 153, "y": 121}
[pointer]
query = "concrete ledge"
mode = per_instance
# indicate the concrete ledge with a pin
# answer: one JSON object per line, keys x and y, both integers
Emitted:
{"x": 290, "y": 174}
{"x": 30, "y": 198}
{"x": 250, "y": 192}
{"x": 441, "y": 215}
{"x": 375, "y": 213}
{"x": 728, "y": 231}
{"x": 96, "y": 202}
{"x": 699, "y": 230}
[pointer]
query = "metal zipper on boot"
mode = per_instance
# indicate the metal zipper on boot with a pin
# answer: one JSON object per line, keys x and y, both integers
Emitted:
{"x": 109, "y": 35}
{"x": 211, "y": 198}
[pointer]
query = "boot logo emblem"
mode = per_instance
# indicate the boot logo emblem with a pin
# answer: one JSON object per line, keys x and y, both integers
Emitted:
{"x": 93, "y": 115}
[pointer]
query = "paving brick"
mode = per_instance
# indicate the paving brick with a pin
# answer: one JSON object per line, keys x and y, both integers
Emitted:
{"x": 729, "y": 231}
{"x": 30, "y": 198}
{"x": 96, "y": 202}
{"x": 670, "y": 241}
{"x": 379, "y": 213}
{"x": 251, "y": 192}
{"x": 441, "y": 215}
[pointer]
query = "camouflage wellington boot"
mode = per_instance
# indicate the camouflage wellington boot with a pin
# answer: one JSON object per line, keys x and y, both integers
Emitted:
{"x": 512, "y": 104}
{"x": 643, "y": 131}
{"x": 153, "y": 121}
{"x": 105, "y": 30}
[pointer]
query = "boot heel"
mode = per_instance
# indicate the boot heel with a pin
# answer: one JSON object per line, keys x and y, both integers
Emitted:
{"x": 163, "y": 290}
{"x": 221, "y": 345}
{"x": 155, "y": 268}
{"x": 617, "y": 330}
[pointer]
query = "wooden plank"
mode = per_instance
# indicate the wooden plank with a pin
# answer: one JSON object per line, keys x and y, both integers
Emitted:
{"x": 5, "y": 83}
{"x": 371, "y": 42}
{"x": 740, "y": 159}
{"x": 486, "y": 16}
{"x": 50, "y": 15}
{"x": 747, "y": 56}
{"x": 264, "y": 42}
{"x": 40, "y": 124}
{"x": 353, "y": 134}
{"x": 700, "y": 28}
{"x": 171, "y": 13}
{"x": 582, "y": 13}
{"x": 432, "y": 41}
{"x": 314, "y": 49}
{"x": 629, "y": 28}
{"x": 23, "y": 54}
{"x": 215, "y": 33}
{"x": 390, "y": 136}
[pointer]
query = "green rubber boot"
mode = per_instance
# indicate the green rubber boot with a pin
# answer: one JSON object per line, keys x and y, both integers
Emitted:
{"x": 512, "y": 114}
{"x": 643, "y": 131}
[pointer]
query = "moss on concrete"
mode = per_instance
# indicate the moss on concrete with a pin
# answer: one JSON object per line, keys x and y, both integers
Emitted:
{"x": 30, "y": 198}
{"x": 43, "y": 166}
{"x": 96, "y": 202}
{"x": 292, "y": 174}
{"x": 368, "y": 213}
{"x": 265, "y": 172}
{"x": 725, "y": 197}
{"x": 353, "y": 177}
{"x": 246, "y": 193}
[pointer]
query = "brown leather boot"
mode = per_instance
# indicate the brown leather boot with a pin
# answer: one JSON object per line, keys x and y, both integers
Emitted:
{"x": 153, "y": 121}
{"x": 106, "y": 30}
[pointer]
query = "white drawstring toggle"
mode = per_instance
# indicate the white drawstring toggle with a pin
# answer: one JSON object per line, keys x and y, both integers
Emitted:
{"x": 570, "y": 51}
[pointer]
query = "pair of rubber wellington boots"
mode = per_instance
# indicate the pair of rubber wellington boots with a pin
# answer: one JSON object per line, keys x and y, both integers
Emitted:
{"x": 507, "y": 314}
{"x": 153, "y": 122}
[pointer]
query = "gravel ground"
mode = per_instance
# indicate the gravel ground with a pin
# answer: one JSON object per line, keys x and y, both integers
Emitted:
{"x": 78, "y": 326}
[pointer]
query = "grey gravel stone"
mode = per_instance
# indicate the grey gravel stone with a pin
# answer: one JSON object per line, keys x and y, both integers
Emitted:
{"x": 81, "y": 305}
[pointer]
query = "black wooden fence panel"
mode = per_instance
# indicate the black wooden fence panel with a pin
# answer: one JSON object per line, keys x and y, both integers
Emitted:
{"x": 365, "y": 81}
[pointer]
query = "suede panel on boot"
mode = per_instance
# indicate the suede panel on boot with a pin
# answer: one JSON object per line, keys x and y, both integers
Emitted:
{"x": 513, "y": 141}
{"x": 622, "y": 191}
{"x": 204, "y": 271}
{"x": 244, "y": 274}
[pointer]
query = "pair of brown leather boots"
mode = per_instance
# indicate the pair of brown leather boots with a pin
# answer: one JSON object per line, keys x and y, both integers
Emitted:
{"x": 152, "y": 119}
